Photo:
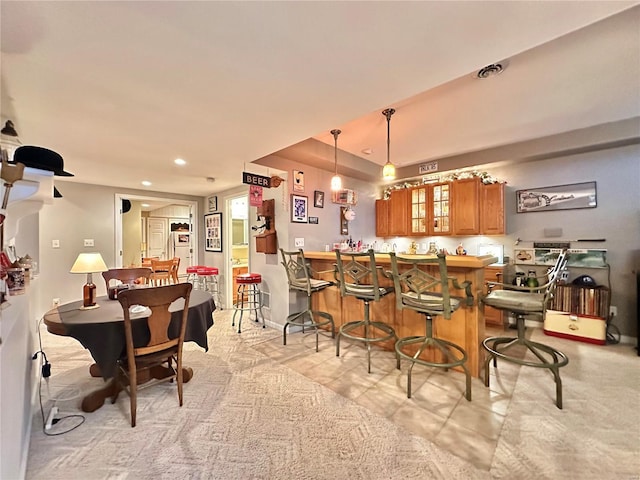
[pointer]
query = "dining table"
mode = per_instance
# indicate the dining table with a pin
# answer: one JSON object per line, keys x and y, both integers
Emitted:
{"x": 101, "y": 331}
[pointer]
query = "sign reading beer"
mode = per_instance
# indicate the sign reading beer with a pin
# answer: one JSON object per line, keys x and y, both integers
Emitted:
{"x": 253, "y": 179}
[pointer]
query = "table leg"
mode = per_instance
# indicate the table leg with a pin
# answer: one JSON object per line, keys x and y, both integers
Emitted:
{"x": 95, "y": 400}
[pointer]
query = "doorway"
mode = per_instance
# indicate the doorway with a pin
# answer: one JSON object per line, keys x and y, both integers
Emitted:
{"x": 154, "y": 227}
{"x": 237, "y": 256}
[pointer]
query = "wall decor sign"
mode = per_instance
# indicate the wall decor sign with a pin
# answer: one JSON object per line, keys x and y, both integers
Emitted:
{"x": 298, "y": 181}
{"x": 428, "y": 168}
{"x": 313, "y": 220}
{"x": 560, "y": 197}
{"x": 212, "y": 203}
{"x": 213, "y": 232}
{"x": 318, "y": 199}
{"x": 253, "y": 179}
{"x": 255, "y": 196}
{"x": 299, "y": 210}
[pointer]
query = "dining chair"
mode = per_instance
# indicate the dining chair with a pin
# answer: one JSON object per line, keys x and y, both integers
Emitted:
{"x": 422, "y": 285}
{"x": 159, "y": 347}
{"x": 175, "y": 266}
{"x": 161, "y": 272}
{"x": 146, "y": 261}
{"x": 126, "y": 275}
{"x": 523, "y": 301}
{"x": 300, "y": 277}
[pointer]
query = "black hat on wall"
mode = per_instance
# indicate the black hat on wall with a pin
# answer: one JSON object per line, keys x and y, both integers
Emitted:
{"x": 42, "y": 159}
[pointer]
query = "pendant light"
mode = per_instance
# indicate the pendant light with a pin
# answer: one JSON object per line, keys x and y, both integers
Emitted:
{"x": 389, "y": 170}
{"x": 336, "y": 181}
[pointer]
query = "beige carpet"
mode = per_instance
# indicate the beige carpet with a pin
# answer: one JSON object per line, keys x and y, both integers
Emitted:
{"x": 245, "y": 416}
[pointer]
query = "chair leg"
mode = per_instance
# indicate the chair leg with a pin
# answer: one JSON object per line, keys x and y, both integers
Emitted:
{"x": 179, "y": 375}
{"x": 133, "y": 394}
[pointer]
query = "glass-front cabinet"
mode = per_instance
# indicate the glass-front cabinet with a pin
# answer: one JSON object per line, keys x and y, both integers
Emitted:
{"x": 440, "y": 209}
{"x": 419, "y": 210}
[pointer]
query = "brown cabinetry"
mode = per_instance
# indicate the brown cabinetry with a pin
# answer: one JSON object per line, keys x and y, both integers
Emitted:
{"x": 466, "y": 206}
{"x": 440, "y": 209}
{"x": 382, "y": 218}
{"x": 493, "y": 316}
{"x": 235, "y": 272}
{"x": 419, "y": 213}
{"x": 492, "y": 209}
{"x": 399, "y": 213}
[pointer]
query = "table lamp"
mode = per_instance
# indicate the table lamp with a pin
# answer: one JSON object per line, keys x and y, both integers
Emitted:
{"x": 89, "y": 263}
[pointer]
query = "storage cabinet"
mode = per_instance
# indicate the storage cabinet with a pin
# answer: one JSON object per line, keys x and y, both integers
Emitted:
{"x": 399, "y": 213}
{"x": 493, "y": 316}
{"x": 492, "y": 209}
{"x": 440, "y": 209}
{"x": 382, "y": 218}
{"x": 419, "y": 217}
{"x": 466, "y": 206}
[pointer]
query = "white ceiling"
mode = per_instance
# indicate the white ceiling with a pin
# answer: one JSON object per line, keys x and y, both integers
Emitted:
{"x": 120, "y": 89}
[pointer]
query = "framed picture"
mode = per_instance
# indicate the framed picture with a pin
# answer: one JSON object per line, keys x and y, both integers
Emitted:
{"x": 525, "y": 256}
{"x": 212, "y": 203}
{"x": 318, "y": 199}
{"x": 299, "y": 210}
{"x": 344, "y": 223}
{"x": 213, "y": 232}
{"x": 313, "y": 220}
{"x": 560, "y": 197}
{"x": 298, "y": 181}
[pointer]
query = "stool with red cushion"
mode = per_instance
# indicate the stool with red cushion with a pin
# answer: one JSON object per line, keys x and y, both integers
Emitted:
{"x": 209, "y": 279}
{"x": 249, "y": 298}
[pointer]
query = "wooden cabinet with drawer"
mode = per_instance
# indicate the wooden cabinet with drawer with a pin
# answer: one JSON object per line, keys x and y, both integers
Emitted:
{"x": 493, "y": 273}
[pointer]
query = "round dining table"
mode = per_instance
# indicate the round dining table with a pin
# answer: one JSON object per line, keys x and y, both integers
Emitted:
{"x": 101, "y": 331}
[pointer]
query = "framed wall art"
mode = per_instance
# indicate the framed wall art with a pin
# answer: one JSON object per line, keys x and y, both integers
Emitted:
{"x": 212, "y": 203}
{"x": 213, "y": 232}
{"x": 299, "y": 210}
{"x": 559, "y": 197}
{"x": 313, "y": 220}
{"x": 298, "y": 181}
{"x": 318, "y": 199}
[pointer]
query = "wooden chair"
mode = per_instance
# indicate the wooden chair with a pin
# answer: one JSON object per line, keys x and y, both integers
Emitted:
{"x": 146, "y": 261}
{"x": 161, "y": 272}
{"x": 126, "y": 275}
{"x": 162, "y": 345}
{"x": 174, "y": 269}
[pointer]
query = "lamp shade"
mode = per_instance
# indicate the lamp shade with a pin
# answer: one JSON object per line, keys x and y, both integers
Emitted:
{"x": 89, "y": 263}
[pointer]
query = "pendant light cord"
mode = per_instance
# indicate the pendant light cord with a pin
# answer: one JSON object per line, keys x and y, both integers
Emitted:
{"x": 335, "y": 134}
{"x": 387, "y": 113}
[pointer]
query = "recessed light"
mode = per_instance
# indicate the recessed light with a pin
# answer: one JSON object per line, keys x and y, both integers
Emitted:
{"x": 146, "y": 183}
{"x": 367, "y": 151}
{"x": 179, "y": 161}
{"x": 146, "y": 205}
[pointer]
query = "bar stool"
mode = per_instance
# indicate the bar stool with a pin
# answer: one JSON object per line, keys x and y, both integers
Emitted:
{"x": 208, "y": 277}
{"x": 357, "y": 276}
{"x": 249, "y": 298}
{"x": 192, "y": 276}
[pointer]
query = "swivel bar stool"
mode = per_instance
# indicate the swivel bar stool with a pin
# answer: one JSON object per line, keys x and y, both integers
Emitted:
{"x": 208, "y": 277}
{"x": 357, "y": 276}
{"x": 523, "y": 301}
{"x": 300, "y": 277}
{"x": 422, "y": 285}
{"x": 249, "y": 298}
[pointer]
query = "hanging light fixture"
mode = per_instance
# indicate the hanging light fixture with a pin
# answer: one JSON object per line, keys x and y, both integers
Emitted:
{"x": 336, "y": 181}
{"x": 389, "y": 170}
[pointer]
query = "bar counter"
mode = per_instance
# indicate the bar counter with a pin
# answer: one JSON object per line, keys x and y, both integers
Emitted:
{"x": 465, "y": 328}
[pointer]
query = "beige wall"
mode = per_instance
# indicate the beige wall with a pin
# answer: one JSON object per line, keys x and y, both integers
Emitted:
{"x": 131, "y": 236}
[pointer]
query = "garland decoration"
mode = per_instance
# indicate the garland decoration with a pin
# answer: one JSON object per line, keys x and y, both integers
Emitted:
{"x": 485, "y": 177}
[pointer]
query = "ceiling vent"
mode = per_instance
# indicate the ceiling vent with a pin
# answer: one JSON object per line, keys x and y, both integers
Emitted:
{"x": 491, "y": 70}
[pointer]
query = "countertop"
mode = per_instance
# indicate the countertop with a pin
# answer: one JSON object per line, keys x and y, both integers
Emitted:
{"x": 463, "y": 261}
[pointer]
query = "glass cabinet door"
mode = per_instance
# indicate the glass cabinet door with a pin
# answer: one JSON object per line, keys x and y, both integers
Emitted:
{"x": 441, "y": 202}
{"x": 419, "y": 211}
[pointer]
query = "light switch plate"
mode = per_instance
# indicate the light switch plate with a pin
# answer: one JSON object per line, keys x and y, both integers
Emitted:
{"x": 299, "y": 242}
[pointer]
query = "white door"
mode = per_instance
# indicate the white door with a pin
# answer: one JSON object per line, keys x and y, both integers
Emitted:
{"x": 157, "y": 237}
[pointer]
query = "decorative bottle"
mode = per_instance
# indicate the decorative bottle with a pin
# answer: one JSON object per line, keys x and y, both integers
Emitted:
{"x": 89, "y": 293}
{"x": 532, "y": 281}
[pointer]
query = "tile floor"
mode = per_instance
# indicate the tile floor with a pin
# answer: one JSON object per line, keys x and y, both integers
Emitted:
{"x": 437, "y": 410}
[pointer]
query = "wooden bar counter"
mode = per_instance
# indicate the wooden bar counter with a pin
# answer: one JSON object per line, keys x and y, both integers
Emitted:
{"x": 465, "y": 328}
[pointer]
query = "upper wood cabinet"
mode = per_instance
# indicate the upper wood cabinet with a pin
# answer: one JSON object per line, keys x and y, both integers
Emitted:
{"x": 440, "y": 209}
{"x": 399, "y": 210}
{"x": 382, "y": 218}
{"x": 492, "y": 209}
{"x": 419, "y": 213}
{"x": 466, "y": 206}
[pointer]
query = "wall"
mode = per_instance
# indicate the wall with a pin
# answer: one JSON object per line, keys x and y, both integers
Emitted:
{"x": 131, "y": 235}
{"x": 85, "y": 211}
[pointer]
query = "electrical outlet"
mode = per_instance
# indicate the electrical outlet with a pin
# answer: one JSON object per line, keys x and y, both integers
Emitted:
{"x": 299, "y": 242}
{"x": 55, "y": 302}
{"x": 55, "y": 243}
{"x": 88, "y": 242}
{"x": 613, "y": 311}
